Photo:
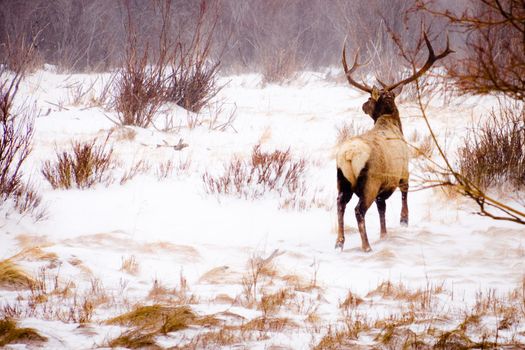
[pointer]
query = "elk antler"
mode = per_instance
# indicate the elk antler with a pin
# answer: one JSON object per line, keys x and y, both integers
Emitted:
{"x": 430, "y": 61}
{"x": 348, "y": 72}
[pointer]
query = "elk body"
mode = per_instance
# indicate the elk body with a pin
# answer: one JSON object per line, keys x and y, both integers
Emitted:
{"x": 374, "y": 164}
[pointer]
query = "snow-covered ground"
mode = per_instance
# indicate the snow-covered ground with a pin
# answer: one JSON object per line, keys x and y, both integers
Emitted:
{"x": 155, "y": 240}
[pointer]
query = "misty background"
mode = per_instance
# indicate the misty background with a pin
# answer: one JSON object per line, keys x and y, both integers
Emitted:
{"x": 268, "y": 36}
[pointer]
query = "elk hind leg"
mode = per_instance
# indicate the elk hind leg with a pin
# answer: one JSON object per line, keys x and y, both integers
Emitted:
{"x": 344, "y": 195}
{"x": 360, "y": 211}
{"x": 403, "y": 186}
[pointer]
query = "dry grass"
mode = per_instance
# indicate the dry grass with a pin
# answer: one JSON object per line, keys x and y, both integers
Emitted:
{"x": 351, "y": 302}
{"x": 166, "y": 169}
{"x": 140, "y": 167}
{"x": 13, "y": 277}
{"x": 419, "y": 299}
{"x": 266, "y": 172}
{"x": 147, "y": 322}
{"x": 50, "y": 298}
{"x": 156, "y": 317}
{"x": 259, "y": 269}
{"x": 159, "y": 292}
{"x": 224, "y": 337}
{"x": 348, "y": 130}
{"x": 271, "y": 303}
{"x": 88, "y": 164}
{"x": 269, "y": 324}
{"x": 11, "y": 334}
{"x": 134, "y": 340}
{"x": 28, "y": 200}
{"x": 36, "y": 254}
{"x": 335, "y": 340}
{"x": 421, "y": 146}
{"x": 130, "y": 265}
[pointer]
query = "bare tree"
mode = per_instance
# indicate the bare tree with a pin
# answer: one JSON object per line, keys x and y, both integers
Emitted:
{"x": 494, "y": 53}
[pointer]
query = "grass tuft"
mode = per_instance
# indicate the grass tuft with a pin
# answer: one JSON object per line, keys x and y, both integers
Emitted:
{"x": 11, "y": 334}
{"x": 130, "y": 265}
{"x": 156, "y": 317}
{"x": 454, "y": 340}
{"x": 134, "y": 339}
{"x": 12, "y": 276}
{"x": 87, "y": 165}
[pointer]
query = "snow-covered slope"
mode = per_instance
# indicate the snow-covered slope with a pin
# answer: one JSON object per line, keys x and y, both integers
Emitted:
{"x": 167, "y": 241}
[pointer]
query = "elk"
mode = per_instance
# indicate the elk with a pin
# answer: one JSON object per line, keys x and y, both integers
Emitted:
{"x": 374, "y": 164}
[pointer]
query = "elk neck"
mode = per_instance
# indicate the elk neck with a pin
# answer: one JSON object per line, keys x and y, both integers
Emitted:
{"x": 389, "y": 121}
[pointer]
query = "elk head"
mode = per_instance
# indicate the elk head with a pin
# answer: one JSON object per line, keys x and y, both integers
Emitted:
{"x": 381, "y": 101}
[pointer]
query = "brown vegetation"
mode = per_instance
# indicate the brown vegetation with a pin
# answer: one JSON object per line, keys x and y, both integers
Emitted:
{"x": 491, "y": 27}
{"x": 12, "y": 276}
{"x": 273, "y": 171}
{"x": 11, "y": 334}
{"x": 16, "y": 128}
{"x": 494, "y": 154}
{"x": 88, "y": 164}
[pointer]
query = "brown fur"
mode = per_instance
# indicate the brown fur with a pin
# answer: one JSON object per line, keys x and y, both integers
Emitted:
{"x": 372, "y": 166}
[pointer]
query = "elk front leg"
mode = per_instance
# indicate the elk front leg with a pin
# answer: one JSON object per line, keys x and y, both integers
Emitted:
{"x": 403, "y": 186}
{"x": 343, "y": 197}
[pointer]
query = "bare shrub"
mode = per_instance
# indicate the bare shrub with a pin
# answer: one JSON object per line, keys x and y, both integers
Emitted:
{"x": 139, "y": 84}
{"x": 280, "y": 65}
{"x": 165, "y": 169}
{"x": 193, "y": 79}
{"x": 449, "y": 176}
{"x": 220, "y": 119}
{"x": 347, "y": 130}
{"x": 18, "y": 54}
{"x": 139, "y": 88}
{"x": 87, "y": 165}
{"x": 495, "y": 153}
{"x": 16, "y": 128}
{"x": 140, "y": 167}
{"x": 181, "y": 72}
{"x": 28, "y": 200}
{"x": 15, "y": 145}
{"x": 265, "y": 172}
{"x": 421, "y": 146}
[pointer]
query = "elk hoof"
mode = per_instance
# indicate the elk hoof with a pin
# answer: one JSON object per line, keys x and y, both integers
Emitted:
{"x": 339, "y": 245}
{"x": 367, "y": 249}
{"x": 404, "y": 222}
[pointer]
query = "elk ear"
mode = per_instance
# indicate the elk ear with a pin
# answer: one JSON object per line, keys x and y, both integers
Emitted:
{"x": 375, "y": 93}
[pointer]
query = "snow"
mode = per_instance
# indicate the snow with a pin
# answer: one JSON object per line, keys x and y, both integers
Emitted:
{"x": 176, "y": 231}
